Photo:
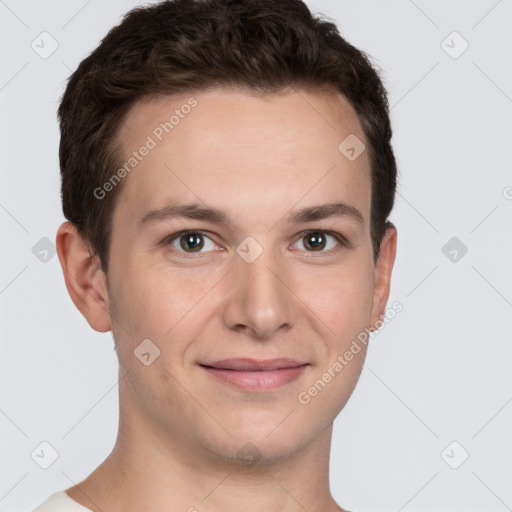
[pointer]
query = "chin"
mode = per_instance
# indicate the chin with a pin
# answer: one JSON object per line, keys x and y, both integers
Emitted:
{"x": 263, "y": 443}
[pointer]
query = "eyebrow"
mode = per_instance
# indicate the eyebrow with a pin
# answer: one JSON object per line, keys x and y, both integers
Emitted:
{"x": 196, "y": 211}
{"x": 325, "y": 211}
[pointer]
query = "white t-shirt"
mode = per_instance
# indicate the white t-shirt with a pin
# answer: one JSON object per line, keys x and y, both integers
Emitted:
{"x": 61, "y": 502}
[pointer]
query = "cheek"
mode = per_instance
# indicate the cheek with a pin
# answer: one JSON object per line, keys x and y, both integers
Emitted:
{"x": 341, "y": 299}
{"x": 165, "y": 309}
{"x": 153, "y": 300}
{"x": 169, "y": 308}
{"x": 343, "y": 305}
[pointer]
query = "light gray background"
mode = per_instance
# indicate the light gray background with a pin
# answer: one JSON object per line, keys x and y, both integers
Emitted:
{"x": 439, "y": 372}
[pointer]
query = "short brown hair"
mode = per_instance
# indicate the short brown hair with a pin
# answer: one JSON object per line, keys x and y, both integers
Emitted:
{"x": 191, "y": 45}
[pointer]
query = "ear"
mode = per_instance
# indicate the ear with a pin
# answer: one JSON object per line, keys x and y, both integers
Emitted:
{"x": 383, "y": 269}
{"x": 85, "y": 280}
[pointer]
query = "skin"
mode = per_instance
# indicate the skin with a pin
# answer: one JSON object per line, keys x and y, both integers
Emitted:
{"x": 257, "y": 158}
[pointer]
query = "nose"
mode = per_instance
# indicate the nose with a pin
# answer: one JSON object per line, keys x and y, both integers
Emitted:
{"x": 258, "y": 301}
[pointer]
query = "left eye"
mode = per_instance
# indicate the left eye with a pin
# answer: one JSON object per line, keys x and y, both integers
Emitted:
{"x": 191, "y": 242}
{"x": 318, "y": 241}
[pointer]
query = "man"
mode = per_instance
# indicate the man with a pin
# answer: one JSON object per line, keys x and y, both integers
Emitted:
{"x": 227, "y": 176}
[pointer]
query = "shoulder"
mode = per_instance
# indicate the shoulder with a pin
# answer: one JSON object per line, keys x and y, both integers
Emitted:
{"x": 60, "y": 502}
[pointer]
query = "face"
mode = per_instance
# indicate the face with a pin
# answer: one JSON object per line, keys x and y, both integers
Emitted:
{"x": 241, "y": 248}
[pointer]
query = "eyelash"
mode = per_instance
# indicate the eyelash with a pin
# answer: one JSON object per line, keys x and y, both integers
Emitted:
{"x": 343, "y": 242}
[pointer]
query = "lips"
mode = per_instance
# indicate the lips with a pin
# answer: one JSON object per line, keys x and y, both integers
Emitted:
{"x": 254, "y": 365}
{"x": 253, "y": 375}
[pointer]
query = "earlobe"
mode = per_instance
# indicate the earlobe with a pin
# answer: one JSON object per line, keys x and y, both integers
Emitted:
{"x": 383, "y": 270}
{"x": 84, "y": 278}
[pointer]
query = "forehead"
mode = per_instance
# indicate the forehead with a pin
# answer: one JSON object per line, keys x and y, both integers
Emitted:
{"x": 226, "y": 109}
{"x": 225, "y": 145}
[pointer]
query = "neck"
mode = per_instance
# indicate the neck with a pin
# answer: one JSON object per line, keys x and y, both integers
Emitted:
{"x": 150, "y": 469}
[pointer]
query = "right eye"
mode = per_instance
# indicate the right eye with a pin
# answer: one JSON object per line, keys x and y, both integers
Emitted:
{"x": 190, "y": 242}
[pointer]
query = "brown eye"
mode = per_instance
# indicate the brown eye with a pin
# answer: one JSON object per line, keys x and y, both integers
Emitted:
{"x": 191, "y": 242}
{"x": 320, "y": 241}
{"x": 315, "y": 241}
